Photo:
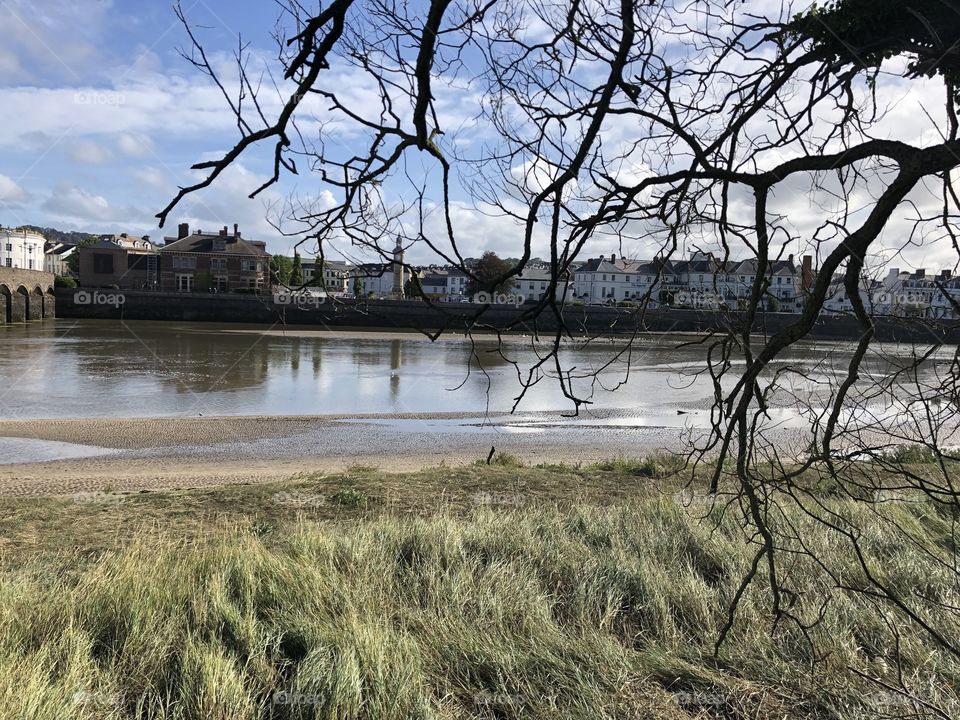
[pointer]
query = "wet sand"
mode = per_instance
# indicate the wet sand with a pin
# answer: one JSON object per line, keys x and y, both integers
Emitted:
{"x": 178, "y": 452}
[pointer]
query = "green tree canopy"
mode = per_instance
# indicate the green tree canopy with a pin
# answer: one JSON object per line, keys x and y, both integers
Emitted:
{"x": 489, "y": 271}
{"x": 296, "y": 271}
{"x": 281, "y": 267}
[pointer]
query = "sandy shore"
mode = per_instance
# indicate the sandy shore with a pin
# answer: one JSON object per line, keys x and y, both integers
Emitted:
{"x": 165, "y": 453}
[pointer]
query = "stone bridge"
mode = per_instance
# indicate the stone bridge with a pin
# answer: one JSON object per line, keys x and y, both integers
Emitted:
{"x": 25, "y": 295}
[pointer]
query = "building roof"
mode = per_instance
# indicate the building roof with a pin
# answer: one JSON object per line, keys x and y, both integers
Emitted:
{"x": 108, "y": 242}
{"x": 205, "y": 243}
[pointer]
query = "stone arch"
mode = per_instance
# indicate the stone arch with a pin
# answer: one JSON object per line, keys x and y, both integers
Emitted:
{"x": 49, "y": 304}
{"x": 35, "y": 304}
{"x": 6, "y": 309}
{"x": 19, "y": 300}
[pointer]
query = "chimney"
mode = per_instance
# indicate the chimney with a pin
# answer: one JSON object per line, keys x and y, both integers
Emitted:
{"x": 945, "y": 274}
{"x": 183, "y": 231}
{"x": 790, "y": 258}
{"x": 223, "y": 231}
{"x": 921, "y": 272}
{"x": 613, "y": 258}
{"x": 806, "y": 273}
{"x": 236, "y": 230}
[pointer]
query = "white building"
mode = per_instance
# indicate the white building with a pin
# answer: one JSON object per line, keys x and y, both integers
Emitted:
{"x": 21, "y": 248}
{"x": 457, "y": 282}
{"x": 375, "y": 280}
{"x": 55, "y": 258}
{"x": 336, "y": 276}
{"x": 534, "y": 282}
{"x": 605, "y": 280}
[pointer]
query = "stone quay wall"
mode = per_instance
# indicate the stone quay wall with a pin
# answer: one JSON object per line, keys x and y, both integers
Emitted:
{"x": 458, "y": 317}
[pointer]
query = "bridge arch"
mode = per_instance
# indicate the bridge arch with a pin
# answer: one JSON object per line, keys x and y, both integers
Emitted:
{"x": 35, "y": 304}
{"x": 6, "y": 305}
{"x": 49, "y": 304}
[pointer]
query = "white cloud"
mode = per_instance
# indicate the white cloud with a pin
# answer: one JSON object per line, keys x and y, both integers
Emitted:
{"x": 11, "y": 192}
{"x": 50, "y": 38}
{"x": 154, "y": 177}
{"x": 88, "y": 152}
{"x": 135, "y": 145}
{"x": 74, "y": 202}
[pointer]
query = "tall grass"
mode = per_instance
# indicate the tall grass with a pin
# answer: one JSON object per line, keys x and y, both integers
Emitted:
{"x": 532, "y": 613}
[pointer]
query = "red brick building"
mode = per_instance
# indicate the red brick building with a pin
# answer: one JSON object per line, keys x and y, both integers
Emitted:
{"x": 213, "y": 262}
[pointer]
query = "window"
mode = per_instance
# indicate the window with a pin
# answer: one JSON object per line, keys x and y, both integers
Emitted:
{"x": 103, "y": 263}
{"x": 30, "y": 267}
{"x": 248, "y": 265}
{"x": 218, "y": 265}
{"x": 9, "y": 247}
{"x": 9, "y": 262}
{"x": 184, "y": 283}
{"x": 184, "y": 262}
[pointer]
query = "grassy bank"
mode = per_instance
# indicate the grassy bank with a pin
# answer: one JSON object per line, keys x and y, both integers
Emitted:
{"x": 479, "y": 592}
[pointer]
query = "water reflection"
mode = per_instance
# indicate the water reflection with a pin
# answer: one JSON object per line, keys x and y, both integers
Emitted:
{"x": 99, "y": 368}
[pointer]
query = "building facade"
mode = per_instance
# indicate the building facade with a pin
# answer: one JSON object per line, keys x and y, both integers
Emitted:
{"x": 21, "y": 248}
{"x": 55, "y": 258}
{"x": 213, "y": 262}
{"x": 119, "y": 261}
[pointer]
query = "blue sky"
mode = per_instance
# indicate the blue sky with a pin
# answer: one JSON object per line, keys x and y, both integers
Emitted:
{"x": 102, "y": 118}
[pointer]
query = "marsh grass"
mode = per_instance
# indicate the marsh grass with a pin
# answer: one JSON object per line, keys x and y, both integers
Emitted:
{"x": 571, "y": 606}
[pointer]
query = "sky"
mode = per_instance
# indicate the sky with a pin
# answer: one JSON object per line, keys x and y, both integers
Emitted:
{"x": 102, "y": 118}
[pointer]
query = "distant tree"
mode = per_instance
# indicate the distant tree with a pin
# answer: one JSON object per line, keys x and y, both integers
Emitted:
{"x": 296, "y": 271}
{"x": 73, "y": 259}
{"x": 67, "y": 282}
{"x": 489, "y": 269}
{"x": 319, "y": 273}
{"x": 357, "y": 286}
{"x": 281, "y": 268}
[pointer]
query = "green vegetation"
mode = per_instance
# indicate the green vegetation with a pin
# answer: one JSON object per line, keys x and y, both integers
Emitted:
{"x": 281, "y": 268}
{"x": 296, "y": 271}
{"x": 489, "y": 269}
{"x": 496, "y": 591}
{"x": 65, "y": 282}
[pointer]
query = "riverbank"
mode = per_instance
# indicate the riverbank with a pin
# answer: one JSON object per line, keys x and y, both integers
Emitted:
{"x": 454, "y": 592}
{"x": 134, "y": 454}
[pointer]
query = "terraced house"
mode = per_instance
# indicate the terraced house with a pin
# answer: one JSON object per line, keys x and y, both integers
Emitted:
{"x": 213, "y": 262}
